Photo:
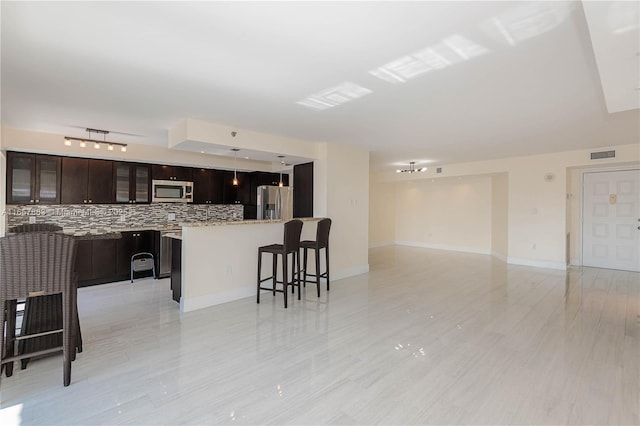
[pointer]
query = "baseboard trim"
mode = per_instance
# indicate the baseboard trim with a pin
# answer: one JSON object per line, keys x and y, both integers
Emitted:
{"x": 195, "y": 303}
{"x": 443, "y": 247}
{"x": 200, "y": 302}
{"x": 350, "y": 272}
{"x": 381, "y": 244}
{"x": 499, "y": 256}
{"x": 536, "y": 263}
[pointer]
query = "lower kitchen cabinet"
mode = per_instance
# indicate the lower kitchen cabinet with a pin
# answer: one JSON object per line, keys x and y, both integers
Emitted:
{"x": 176, "y": 269}
{"x": 102, "y": 261}
{"x": 95, "y": 262}
{"x": 131, "y": 243}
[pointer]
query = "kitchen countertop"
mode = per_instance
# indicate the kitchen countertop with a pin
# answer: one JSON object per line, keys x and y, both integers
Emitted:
{"x": 174, "y": 235}
{"x": 245, "y": 222}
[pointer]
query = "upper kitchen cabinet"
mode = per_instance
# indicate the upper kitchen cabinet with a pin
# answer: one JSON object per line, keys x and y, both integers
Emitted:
{"x": 163, "y": 172}
{"x": 303, "y": 192}
{"x": 266, "y": 178}
{"x": 207, "y": 186}
{"x": 33, "y": 178}
{"x": 132, "y": 183}
{"x": 236, "y": 194}
{"x": 86, "y": 181}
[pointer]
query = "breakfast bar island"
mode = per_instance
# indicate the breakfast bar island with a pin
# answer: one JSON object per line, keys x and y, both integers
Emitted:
{"x": 219, "y": 259}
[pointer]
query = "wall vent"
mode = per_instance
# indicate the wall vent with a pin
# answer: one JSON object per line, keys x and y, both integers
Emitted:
{"x": 603, "y": 154}
{"x": 439, "y": 170}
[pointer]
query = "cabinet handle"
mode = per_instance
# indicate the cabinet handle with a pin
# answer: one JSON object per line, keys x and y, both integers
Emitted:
{"x": 90, "y": 201}
{"x": 31, "y": 201}
{"x": 37, "y": 201}
{"x": 84, "y": 201}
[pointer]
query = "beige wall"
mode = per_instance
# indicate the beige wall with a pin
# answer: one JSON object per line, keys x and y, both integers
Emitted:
{"x": 382, "y": 213}
{"x": 451, "y": 214}
{"x": 500, "y": 215}
{"x": 346, "y": 186}
{"x": 537, "y": 207}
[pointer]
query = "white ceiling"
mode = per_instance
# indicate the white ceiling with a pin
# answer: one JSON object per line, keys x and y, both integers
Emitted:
{"x": 436, "y": 82}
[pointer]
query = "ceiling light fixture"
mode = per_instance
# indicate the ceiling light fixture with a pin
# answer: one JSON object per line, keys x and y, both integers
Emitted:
{"x": 412, "y": 169}
{"x": 96, "y": 144}
{"x": 280, "y": 182}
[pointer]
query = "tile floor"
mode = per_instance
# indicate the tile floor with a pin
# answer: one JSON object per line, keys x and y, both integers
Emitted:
{"x": 427, "y": 337}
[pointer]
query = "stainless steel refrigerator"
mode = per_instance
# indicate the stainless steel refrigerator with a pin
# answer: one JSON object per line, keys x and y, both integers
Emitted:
{"x": 275, "y": 202}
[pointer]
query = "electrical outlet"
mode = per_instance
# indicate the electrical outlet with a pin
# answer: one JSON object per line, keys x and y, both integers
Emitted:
{"x": 32, "y": 219}
{"x": 123, "y": 218}
{"x": 171, "y": 216}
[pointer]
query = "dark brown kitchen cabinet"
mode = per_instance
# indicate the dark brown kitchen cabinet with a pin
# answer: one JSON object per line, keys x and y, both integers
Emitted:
{"x": 86, "y": 181}
{"x": 207, "y": 186}
{"x": 132, "y": 182}
{"x": 236, "y": 194}
{"x": 303, "y": 192}
{"x": 95, "y": 261}
{"x": 33, "y": 178}
{"x": 131, "y": 243}
{"x": 164, "y": 172}
{"x": 176, "y": 269}
{"x": 267, "y": 178}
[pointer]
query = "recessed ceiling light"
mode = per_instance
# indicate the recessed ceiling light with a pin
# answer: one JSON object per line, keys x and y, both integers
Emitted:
{"x": 201, "y": 152}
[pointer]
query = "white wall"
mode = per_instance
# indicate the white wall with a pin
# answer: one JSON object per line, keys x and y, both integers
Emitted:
{"x": 451, "y": 214}
{"x": 500, "y": 216}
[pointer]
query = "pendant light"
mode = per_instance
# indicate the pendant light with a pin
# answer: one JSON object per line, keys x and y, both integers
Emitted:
{"x": 234, "y": 182}
{"x": 280, "y": 182}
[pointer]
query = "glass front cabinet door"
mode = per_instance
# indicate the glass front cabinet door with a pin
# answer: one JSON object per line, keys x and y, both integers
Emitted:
{"x": 33, "y": 179}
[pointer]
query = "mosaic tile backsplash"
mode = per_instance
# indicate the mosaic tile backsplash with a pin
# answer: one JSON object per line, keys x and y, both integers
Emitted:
{"x": 107, "y": 217}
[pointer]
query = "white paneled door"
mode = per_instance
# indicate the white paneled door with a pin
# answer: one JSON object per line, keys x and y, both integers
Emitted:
{"x": 611, "y": 220}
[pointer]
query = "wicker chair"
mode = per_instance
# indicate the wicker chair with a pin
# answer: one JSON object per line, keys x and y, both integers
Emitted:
{"x": 37, "y": 264}
{"x": 42, "y": 313}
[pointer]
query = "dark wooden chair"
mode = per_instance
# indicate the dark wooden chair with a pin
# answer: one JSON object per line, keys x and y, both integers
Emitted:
{"x": 291, "y": 245}
{"x": 38, "y": 264}
{"x": 321, "y": 242}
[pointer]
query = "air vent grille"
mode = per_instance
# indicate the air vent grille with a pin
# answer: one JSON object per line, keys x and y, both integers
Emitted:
{"x": 603, "y": 154}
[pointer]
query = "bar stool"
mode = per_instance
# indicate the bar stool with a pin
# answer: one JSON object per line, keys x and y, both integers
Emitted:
{"x": 292, "y": 231}
{"x": 321, "y": 242}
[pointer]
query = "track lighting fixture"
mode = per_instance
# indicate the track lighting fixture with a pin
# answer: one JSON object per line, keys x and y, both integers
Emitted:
{"x": 96, "y": 144}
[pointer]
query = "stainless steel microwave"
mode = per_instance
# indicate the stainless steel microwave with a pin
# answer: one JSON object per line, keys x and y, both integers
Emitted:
{"x": 172, "y": 191}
